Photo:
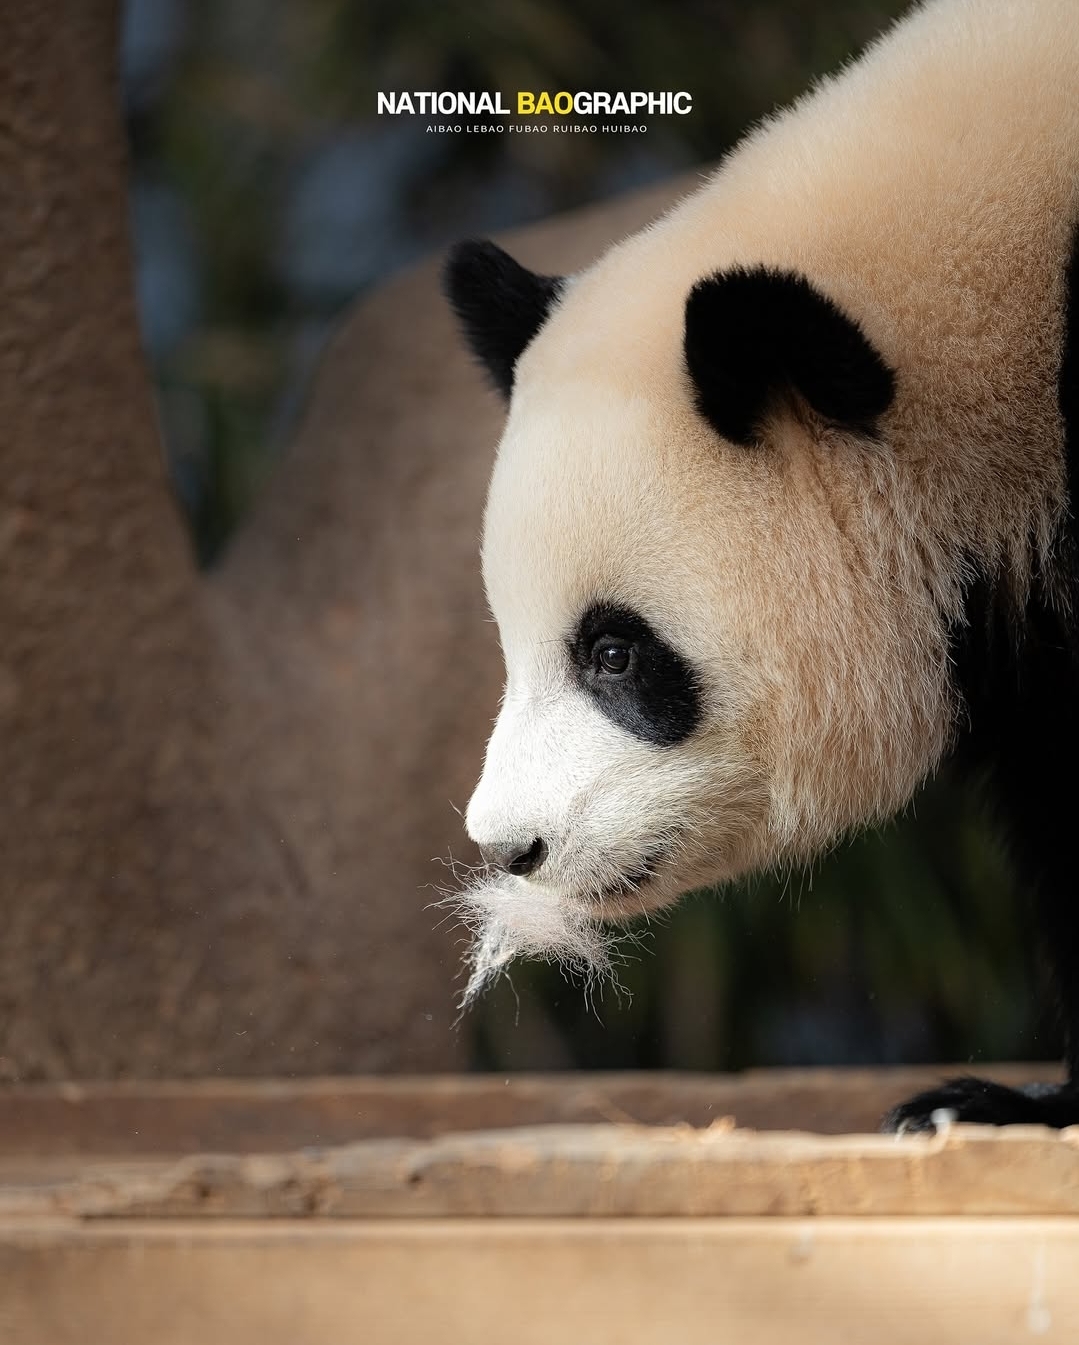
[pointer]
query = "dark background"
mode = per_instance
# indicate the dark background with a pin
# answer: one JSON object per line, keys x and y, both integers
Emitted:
{"x": 266, "y": 196}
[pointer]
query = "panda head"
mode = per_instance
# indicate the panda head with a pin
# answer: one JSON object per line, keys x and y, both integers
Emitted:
{"x": 720, "y": 652}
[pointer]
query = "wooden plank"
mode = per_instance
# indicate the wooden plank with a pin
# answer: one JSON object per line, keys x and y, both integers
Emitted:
{"x": 537, "y": 1282}
{"x": 581, "y": 1171}
{"x": 268, "y": 1116}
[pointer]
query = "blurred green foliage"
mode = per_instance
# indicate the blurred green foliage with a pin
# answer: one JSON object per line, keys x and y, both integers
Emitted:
{"x": 909, "y": 944}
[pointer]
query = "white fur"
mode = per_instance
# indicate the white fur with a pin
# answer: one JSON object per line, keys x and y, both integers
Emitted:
{"x": 930, "y": 190}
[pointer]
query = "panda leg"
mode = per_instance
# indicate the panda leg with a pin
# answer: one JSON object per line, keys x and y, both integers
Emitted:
{"x": 982, "y": 1102}
{"x": 1024, "y": 732}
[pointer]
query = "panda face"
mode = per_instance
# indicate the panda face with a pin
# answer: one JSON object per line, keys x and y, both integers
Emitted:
{"x": 614, "y": 778}
{"x": 712, "y": 662}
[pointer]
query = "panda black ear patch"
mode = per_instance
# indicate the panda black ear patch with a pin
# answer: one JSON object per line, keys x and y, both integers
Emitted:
{"x": 753, "y": 335}
{"x": 499, "y": 303}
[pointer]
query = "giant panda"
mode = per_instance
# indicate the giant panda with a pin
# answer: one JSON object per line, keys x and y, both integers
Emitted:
{"x": 783, "y": 514}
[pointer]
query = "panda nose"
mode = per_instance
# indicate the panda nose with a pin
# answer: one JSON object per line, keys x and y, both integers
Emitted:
{"x": 512, "y": 859}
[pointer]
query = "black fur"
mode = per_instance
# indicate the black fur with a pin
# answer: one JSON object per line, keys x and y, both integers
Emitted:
{"x": 754, "y": 336}
{"x": 500, "y": 305}
{"x": 658, "y": 697}
{"x": 1018, "y": 675}
{"x": 982, "y": 1102}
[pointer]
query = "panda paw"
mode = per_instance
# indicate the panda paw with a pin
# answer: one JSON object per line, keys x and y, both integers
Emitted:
{"x": 982, "y": 1102}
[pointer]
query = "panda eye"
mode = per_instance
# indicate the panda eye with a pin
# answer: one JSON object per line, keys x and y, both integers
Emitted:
{"x": 613, "y": 656}
{"x": 633, "y": 676}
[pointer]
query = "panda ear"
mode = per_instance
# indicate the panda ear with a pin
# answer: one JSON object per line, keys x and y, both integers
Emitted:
{"x": 499, "y": 303}
{"x": 753, "y": 335}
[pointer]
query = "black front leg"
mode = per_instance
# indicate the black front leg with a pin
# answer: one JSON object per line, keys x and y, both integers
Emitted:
{"x": 1024, "y": 736}
{"x": 982, "y": 1102}
{"x": 1019, "y": 681}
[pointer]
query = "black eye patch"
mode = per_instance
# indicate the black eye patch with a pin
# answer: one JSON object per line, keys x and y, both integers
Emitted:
{"x": 634, "y": 676}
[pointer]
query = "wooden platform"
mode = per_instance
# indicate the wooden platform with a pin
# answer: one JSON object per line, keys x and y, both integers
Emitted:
{"x": 608, "y": 1208}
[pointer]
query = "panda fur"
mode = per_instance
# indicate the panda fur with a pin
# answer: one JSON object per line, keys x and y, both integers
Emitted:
{"x": 783, "y": 512}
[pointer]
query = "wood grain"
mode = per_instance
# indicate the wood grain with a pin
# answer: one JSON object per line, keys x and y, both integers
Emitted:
{"x": 539, "y": 1282}
{"x": 270, "y": 1115}
{"x": 578, "y": 1172}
